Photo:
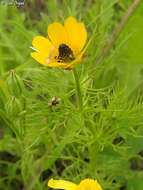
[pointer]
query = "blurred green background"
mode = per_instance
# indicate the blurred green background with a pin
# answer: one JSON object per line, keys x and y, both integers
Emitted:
{"x": 38, "y": 142}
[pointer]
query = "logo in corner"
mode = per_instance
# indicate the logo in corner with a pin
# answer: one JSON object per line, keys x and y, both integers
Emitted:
{"x": 19, "y": 2}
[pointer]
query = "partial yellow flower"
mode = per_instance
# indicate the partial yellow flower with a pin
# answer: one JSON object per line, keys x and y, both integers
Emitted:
{"x": 86, "y": 184}
{"x": 64, "y": 46}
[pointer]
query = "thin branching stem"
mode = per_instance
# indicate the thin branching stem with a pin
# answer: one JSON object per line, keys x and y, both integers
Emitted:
{"x": 78, "y": 90}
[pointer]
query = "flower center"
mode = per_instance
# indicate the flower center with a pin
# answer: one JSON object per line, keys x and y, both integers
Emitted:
{"x": 65, "y": 53}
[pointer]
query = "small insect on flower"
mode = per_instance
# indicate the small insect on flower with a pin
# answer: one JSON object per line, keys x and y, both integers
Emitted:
{"x": 86, "y": 184}
{"x": 64, "y": 47}
{"x": 65, "y": 53}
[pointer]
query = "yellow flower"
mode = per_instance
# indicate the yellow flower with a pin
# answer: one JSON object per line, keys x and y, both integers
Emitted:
{"x": 86, "y": 184}
{"x": 64, "y": 45}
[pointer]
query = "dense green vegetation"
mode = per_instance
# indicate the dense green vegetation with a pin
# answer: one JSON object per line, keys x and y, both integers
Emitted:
{"x": 104, "y": 140}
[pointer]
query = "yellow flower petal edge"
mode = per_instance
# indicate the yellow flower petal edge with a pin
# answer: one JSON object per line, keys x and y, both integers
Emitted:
{"x": 86, "y": 184}
{"x": 63, "y": 48}
{"x": 89, "y": 184}
{"x": 61, "y": 184}
{"x": 77, "y": 34}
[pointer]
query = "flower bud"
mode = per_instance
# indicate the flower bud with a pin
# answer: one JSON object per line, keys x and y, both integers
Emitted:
{"x": 15, "y": 84}
{"x": 13, "y": 106}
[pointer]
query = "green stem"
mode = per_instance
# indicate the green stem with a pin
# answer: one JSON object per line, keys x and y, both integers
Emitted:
{"x": 78, "y": 90}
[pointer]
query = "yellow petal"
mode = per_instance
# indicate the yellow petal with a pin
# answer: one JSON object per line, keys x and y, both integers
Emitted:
{"x": 76, "y": 61}
{"x": 42, "y": 44}
{"x": 58, "y": 65}
{"x": 77, "y": 34}
{"x": 43, "y": 59}
{"x": 61, "y": 184}
{"x": 89, "y": 184}
{"x": 39, "y": 57}
{"x": 57, "y": 34}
